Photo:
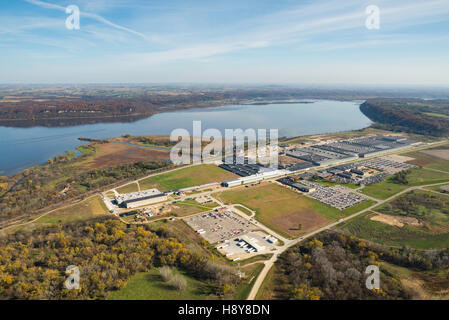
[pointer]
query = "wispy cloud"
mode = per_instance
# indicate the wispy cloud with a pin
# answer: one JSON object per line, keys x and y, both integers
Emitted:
{"x": 303, "y": 23}
{"x": 94, "y": 16}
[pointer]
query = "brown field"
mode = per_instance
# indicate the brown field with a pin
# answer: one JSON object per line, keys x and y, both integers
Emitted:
{"x": 281, "y": 209}
{"x": 308, "y": 218}
{"x": 438, "y": 153}
{"x": 113, "y": 154}
{"x": 284, "y": 160}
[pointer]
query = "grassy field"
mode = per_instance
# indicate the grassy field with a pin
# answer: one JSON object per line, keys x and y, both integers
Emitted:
{"x": 429, "y": 161}
{"x": 436, "y": 115}
{"x": 187, "y": 177}
{"x": 365, "y": 228}
{"x": 244, "y": 210}
{"x": 89, "y": 208}
{"x": 188, "y": 207}
{"x": 133, "y": 187}
{"x": 281, "y": 209}
{"x": 439, "y": 189}
{"x": 149, "y": 286}
{"x": 432, "y": 233}
{"x": 417, "y": 177}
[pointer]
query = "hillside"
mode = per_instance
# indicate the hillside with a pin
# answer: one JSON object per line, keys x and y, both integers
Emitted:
{"x": 429, "y": 117}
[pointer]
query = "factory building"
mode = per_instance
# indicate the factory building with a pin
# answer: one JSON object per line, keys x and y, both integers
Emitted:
{"x": 251, "y": 242}
{"x": 290, "y": 181}
{"x": 254, "y": 178}
{"x": 140, "y": 198}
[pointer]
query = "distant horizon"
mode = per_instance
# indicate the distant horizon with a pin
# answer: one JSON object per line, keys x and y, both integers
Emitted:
{"x": 339, "y": 86}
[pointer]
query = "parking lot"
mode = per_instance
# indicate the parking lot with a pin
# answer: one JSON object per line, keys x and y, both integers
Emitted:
{"x": 337, "y": 196}
{"x": 219, "y": 225}
{"x": 240, "y": 248}
{"x": 386, "y": 165}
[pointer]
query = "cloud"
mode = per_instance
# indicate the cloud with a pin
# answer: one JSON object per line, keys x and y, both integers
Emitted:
{"x": 94, "y": 16}
{"x": 316, "y": 22}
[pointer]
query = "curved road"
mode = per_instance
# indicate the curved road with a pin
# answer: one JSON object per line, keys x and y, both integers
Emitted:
{"x": 269, "y": 263}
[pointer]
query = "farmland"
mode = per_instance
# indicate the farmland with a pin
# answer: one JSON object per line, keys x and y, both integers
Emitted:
{"x": 281, "y": 209}
{"x": 187, "y": 177}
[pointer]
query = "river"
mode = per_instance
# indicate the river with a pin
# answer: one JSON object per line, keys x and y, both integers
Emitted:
{"x": 26, "y": 147}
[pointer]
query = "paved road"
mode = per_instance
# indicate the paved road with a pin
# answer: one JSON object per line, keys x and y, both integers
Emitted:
{"x": 269, "y": 263}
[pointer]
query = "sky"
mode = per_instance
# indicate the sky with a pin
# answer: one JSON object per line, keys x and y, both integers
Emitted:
{"x": 233, "y": 41}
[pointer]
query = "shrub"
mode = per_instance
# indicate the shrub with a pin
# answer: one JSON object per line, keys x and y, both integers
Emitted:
{"x": 166, "y": 273}
{"x": 178, "y": 282}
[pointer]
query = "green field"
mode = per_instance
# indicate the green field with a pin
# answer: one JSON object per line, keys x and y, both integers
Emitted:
{"x": 363, "y": 227}
{"x": 417, "y": 177}
{"x": 282, "y": 210}
{"x": 429, "y": 161}
{"x": 433, "y": 233}
{"x": 439, "y": 189}
{"x": 189, "y": 207}
{"x": 149, "y": 286}
{"x": 187, "y": 177}
{"x": 439, "y": 115}
{"x": 244, "y": 210}
{"x": 87, "y": 209}
{"x": 133, "y": 187}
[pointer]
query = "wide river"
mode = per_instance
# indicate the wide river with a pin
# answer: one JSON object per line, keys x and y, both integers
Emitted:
{"x": 25, "y": 147}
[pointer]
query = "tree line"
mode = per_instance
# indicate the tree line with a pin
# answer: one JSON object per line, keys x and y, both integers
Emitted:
{"x": 399, "y": 114}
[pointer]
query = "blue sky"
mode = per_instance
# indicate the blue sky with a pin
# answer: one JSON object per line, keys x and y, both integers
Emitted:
{"x": 245, "y": 41}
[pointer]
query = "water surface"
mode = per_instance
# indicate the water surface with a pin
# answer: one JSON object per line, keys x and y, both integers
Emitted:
{"x": 26, "y": 147}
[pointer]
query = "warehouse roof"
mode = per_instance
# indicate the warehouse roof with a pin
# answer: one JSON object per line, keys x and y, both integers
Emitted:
{"x": 139, "y": 195}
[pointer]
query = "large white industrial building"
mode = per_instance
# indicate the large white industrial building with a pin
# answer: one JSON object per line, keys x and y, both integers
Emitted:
{"x": 140, "y": 198}
{"x": 254, "y": 178}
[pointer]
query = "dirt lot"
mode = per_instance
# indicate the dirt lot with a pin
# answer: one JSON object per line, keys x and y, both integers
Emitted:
{"x": 113, "y": 154}
{"x": 307, "y": 218}
{"x": 395, "y": 221}
{"x": 285, "y": 160}
{"x": 439, "y": 153}
{"x": 398, "y": 158}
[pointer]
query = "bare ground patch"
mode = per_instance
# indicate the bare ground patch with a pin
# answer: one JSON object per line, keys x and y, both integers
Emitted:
{"x": 438, "y": 153}
{"x": 113, "y": 154}
{"x": 395, "y": 220}
{"x": 289, "y": 223}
